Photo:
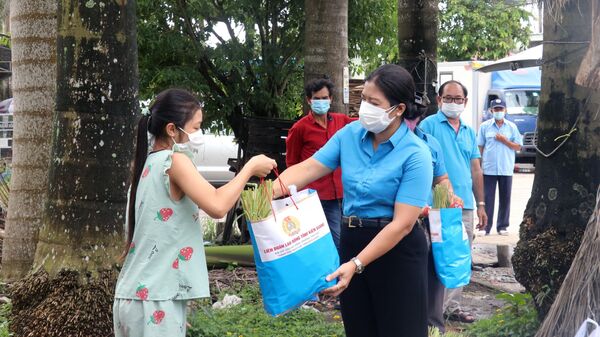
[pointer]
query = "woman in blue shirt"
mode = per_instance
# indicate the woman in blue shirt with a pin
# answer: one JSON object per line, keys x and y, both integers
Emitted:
{"x": 387, "y": 175}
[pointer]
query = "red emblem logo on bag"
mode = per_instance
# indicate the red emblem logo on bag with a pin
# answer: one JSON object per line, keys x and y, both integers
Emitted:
{"x": 291, "y": 225}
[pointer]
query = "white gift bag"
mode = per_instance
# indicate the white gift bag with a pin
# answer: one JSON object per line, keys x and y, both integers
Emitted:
{"x": 585, "y": 332}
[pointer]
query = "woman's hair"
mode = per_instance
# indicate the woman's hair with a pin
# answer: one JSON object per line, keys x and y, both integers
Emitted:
{"x": 175, "y": 106}
{"x": 398, "y": 86}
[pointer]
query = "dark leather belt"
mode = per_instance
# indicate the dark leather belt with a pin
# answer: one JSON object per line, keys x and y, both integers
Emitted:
{"x": 356, "y": 222}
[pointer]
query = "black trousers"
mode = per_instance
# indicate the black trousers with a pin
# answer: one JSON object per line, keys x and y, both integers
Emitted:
{"x": 390, "y": 297}
{"x": 504, "y": 189}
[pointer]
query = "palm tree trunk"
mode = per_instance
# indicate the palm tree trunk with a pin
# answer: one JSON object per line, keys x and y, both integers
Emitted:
{"x": 82, "y": 231}
{"x": 326, "y": 45}
{"x": 34, "y": 88}
{"x": 563, "y": 195}
{"x": 417, "y": 44}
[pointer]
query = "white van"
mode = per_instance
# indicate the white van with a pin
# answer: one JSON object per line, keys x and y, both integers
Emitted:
{"x": 213, "y": 156}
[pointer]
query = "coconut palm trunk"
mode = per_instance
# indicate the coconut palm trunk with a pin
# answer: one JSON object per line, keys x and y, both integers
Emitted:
{"x": 34, "y": 89}
{"x": 578, "y": 298}
{"x": 71, "y": 292}
{"x": 417, "y": 44}
{"x": 567, "y": 176}
{"x": 326, "y": 45}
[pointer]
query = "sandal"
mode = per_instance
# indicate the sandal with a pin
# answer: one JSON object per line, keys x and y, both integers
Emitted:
{"x": 460, "y": 316}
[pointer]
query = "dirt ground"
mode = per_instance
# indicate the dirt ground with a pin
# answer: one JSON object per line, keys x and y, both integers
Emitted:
{"x": 487, "y": 279}
{"x": 479, "y": 297}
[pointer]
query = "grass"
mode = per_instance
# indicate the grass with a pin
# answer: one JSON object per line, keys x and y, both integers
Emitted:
{"x": 517, "y": 319}
{"x": 434, "y": 332}
{"x": 249, "y": 319}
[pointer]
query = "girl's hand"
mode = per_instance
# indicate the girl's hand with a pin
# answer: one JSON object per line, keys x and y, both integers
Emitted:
{"x": 261, "y": 165}
{"x": 344, "y": 274}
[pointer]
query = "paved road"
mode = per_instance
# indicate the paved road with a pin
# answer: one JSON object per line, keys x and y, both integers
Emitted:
{"x": 521, "y": 191}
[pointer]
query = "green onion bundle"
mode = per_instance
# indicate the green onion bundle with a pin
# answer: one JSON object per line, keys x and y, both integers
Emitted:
{"x": 441, "y": 196}
{"x": 256, "y": 201}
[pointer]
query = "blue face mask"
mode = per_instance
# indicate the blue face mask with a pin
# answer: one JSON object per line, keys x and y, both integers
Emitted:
{"x": 320, "y": 106}
{"x": 499, "y": 115}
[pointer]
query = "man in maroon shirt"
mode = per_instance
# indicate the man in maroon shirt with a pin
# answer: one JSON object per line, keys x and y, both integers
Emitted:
{"x": 307, "y": 136}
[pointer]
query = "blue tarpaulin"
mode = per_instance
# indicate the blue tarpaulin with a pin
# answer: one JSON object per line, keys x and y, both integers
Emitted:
{"x": 520, "y": 78}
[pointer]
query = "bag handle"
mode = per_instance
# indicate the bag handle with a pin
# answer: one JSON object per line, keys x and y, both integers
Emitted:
{"x": 284, "y": 190}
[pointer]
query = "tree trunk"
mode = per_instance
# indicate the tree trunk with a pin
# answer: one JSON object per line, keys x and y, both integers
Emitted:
{"x": 326, "y": 46}
{"x": 417, "y": 44}
{"x": 34, "y": 88}
{"x": 562, "y": 198}
{"x": 81, "y": 235}
{"x": 578, "y": 298}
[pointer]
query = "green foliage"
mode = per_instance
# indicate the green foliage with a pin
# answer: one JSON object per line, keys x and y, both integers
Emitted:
{"x": 254, "y": 61}
{"x": 483, "y": 29}
{"x": 372, "y": 34}
{"x": 5, "y": 40}
{"x": 486, "y": 30}
{"x": 247, "y": 55}
{"x": 5, "y": 175}
{"x": 517, "y": 319}
{"x": 4, "y": 321}
{"x": 209, "y": 229}
{"x": 249, "y": 319}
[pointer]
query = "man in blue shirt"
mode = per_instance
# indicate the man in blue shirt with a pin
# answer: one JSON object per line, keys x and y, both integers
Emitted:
{"x": 435, "y": 288}
{"x": 498, "y": 140}
{"x": 461, "y": 157}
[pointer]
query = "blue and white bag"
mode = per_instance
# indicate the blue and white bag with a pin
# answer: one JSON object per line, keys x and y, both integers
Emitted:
{"x": 293, "y": 252}
{"x": 450, "y": 246}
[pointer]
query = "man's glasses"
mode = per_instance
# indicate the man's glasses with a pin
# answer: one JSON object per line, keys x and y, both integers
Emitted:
{"x": 457, "y": 100}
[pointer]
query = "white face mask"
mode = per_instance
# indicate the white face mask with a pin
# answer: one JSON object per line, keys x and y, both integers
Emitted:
{"x": 373, "y": 118}
{"x": 452, "y": 110}
{"x": 193, "y": 145}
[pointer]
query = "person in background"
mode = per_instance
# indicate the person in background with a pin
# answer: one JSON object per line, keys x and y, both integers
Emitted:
{"x": 165, "y": 264}
{"x": 462, "y": 159}
{"x": 498, "y": 141}
{"x": 307, "y": 136}
{"x": 387, "y": 175}
{"x": 435, "y": 288}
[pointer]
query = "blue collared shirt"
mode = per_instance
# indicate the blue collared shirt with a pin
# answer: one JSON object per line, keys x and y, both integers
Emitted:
{"x": 400, "y": 170}
{"x": 498, "y": 159}
{"x": 458, "y": 149}
{"x": 439, "y": 167}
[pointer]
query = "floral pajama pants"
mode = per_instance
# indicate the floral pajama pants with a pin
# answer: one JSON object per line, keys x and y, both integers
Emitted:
{"x": 135, "y": 318}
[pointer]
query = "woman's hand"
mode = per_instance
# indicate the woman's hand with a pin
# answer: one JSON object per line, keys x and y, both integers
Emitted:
{"x": 261, "y": 165}
{"x": 344, "y": 274}
{"x": 456, "y": 202}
